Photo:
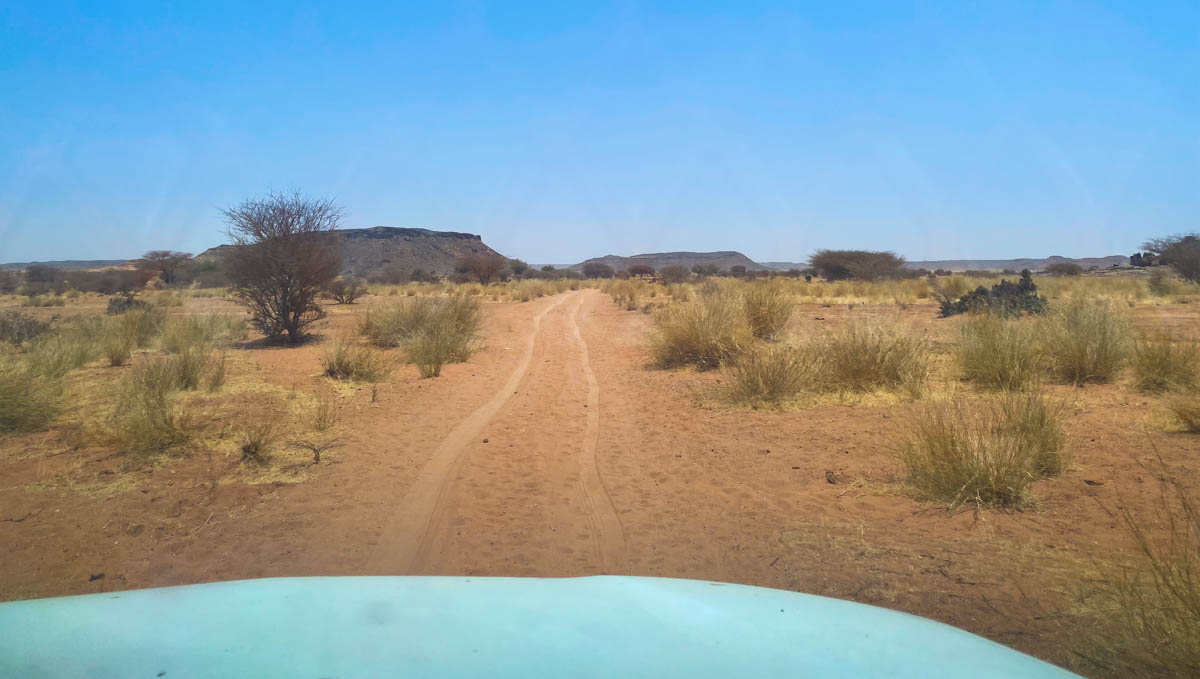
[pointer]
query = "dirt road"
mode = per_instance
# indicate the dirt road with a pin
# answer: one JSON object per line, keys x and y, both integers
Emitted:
{"x": 459, "y": 511}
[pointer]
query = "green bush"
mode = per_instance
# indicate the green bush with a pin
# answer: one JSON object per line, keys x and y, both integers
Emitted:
{"x": 1005, "y": 299}
{"x": 986, "y": 452}
{"x": 1085, "y": 341}
{"x": 998, "y": 353}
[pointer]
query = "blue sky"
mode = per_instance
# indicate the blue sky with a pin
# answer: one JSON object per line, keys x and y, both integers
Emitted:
{"x": 561, "y": 131}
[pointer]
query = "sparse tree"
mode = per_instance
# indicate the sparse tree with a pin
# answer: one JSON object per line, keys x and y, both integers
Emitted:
{"x": 286, "y": 254}
{"x": 1181, "y": 252}
{"x": 164, "y": 263}
{"x": 864, "y": 265}
{"x": 641, "y": 270}
{"x": 346, "y": 290}
{"x": 484, "y": 267}
{"x": 597, "y": 270}
{"x": 8, "y": 281}
{"x": 737, "y": 270}
{"x": 674, "y": 274}
{"x": 518, "y": 267}
{"x": 705, "y": 269}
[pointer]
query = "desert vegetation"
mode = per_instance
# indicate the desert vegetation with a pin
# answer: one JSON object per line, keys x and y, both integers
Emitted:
{"x": 987, "y": 451}
{"x": 988, "y": 408}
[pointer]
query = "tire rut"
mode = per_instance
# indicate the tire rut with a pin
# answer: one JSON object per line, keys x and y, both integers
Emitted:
{"x": 404, "y": 543}
{"x": 609, "y": 536}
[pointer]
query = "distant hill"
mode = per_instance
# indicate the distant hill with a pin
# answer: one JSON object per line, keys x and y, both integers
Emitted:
{"x": 365, "y": 251}
{"x": 1032, "y": 264}
{"x": 68, "y": 264}
{"x": 658, "y": 260}
{"x": 1016, "y": 264}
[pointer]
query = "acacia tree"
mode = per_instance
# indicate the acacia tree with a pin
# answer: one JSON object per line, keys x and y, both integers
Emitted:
{"x": 164, "y": 263}
{"x": 861, "y": 264}
{"x": 1181, "y": 252}
{"x": 484, "y": 267}
{"x": 285, "y": 254}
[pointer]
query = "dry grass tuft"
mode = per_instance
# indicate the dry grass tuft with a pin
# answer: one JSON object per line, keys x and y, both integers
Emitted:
{"x": 1161, "y": 362}
{"x": 998, "y": 353}
{"x": 1146, "y": 614}
{"x": 344, "y": 360}
{"x": 769, "y": 376}
{"x": 703, "y": 331}
{"x": 769, "y": 306}
{"x": 863, "y": 357}
{"x": 1085, "y": 340}
{"x": 145, "y": 421}
{"x": 987, "y": 452}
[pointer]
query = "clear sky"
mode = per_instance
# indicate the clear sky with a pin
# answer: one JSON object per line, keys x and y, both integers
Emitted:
{"x": 566, "y": 130}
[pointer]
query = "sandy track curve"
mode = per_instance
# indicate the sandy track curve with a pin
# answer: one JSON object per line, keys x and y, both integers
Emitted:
{"x": 606, "y": 525}
{"x": 404, "y": 542}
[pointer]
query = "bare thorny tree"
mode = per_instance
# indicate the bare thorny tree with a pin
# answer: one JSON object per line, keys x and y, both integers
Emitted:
{"x": 285, "y": 254}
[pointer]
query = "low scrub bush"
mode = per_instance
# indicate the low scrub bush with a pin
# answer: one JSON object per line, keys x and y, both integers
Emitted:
{"x": 624, "y": 293}
{"x": 258, "y": 437}
{"x": 768, "y": 308}
{"x": 124, "y": 303}
{"x": 703, "y": 331}
{"x": 1005, "y": 299}
{"x": 44, "y": 301}
{"x": 998, "y": 353}
{"x": 1161, "y": 362}
{"x": 346, "y": 290}
{"x": 433, "y": 331}
{"x": 986, "y": 452}
{"x": 1085, "y": 340}
{"x": 18, "y": 328}
{"x": 344, "y": 360}
{"x": 528, "y": 290}
{"x": 392, "y": 325}
{"x": 431, "y": 349}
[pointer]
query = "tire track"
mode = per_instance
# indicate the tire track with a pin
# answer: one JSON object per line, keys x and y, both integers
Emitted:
{"x": 404, "y": 544}
{"x": 609, "y": 536}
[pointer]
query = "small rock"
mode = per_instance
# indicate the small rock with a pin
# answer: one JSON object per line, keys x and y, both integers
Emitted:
{"x": 485, "y": 440}
{"x": 1093, "y": 483}
{"x": 95, "y": 576}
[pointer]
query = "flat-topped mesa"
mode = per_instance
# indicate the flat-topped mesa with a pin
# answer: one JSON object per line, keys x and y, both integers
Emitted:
{"x": 723, "y": 260}
{"x": 373, "y": 249}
